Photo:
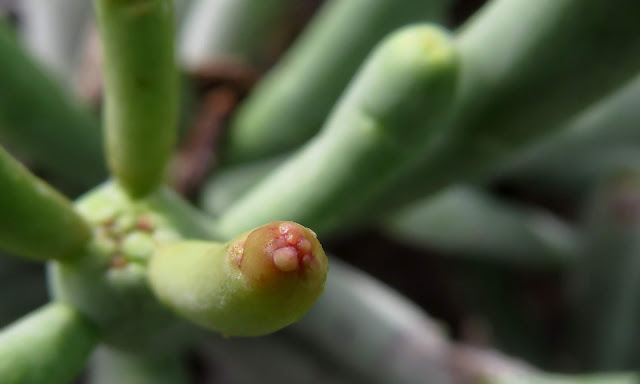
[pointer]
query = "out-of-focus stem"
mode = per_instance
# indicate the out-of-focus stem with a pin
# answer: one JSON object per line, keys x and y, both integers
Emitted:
{"x": 468, "y": 222}
{"x": 527, "y": 69}
{"x": 272, "y": 359}
{"x": 375, "y": 332}
{"x": 290, "y": 105}
{"x": 39, "y": 118}
{"x": 141, "y": 89}
{"x": 608, "y": 279}
{"x": 613, "y": 378}
{"x": 36, "y": 221}
{"x": 226, "y": 31}
{"x": 230, "y": 184}
{"x": 600, "y": 138}
{"x": 399, "y": 100}
{"x": 110, "y": 366}
{"x": 51, "y": 345}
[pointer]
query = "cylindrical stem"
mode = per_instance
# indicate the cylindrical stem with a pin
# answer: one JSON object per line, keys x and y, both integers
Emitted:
{"x": 230, "y": 31}
{"x": 256, "y": 284}
{"x": 290, "y": 105}
{"x": 608, "y": 279}
{"x": 605, "y": 135}
{"x": 528, "y": 68}
{"x": 39, "y": 118}
{"x": 613, "y": 378}
{"x": 470, "y": 223}
{"x": 36, "y": 221}
{"x": 390, "y": 340}
{"x": 141, "y": 89}
{"x": 399, "y": 99}
{"x": 111, "y": 366}
{"x": 51, "y": 345}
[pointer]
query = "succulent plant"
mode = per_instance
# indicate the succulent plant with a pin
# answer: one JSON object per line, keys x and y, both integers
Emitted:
{"x": 128, "y": 247}
{"x": 381, "y": 114}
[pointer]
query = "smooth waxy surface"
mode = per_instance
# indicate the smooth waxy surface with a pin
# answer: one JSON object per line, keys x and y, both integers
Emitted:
{"x": 41, "y": 119}
{"x": 50, "y": 346}
{"x": 399, "y": 99}
{"x": 290, "y": 105}
{"x": 141, "y": 89}
{"x": 528, "y": 67}
{"x": 111, "y": 366}
{"x": 36, "y": 221}
{"x": 256, "y": 284}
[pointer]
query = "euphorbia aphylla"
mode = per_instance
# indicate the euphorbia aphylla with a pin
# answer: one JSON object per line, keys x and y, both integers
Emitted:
{"x": 130, "y": 259}
{"x": 370, "y": 110}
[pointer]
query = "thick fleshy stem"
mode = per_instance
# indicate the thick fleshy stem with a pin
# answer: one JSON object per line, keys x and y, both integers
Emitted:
{"x": 36, "y": 221}
{"x": 230, "y": 31}
{"x": 612, "y": 378}
{"x": 527, "y": 70}
{"x": 606, "y": 282}
{"x": 257, "y": 283}
{"x": 399, "y": 99}
{"x": 141, "y": 90}
{"x": 51, "y": 345}
{"x": 468, "y": 222}
{"x": 107, "y": 280}
{"x": 43, "y": 121}
{"x": 111, "y": 366}
{"x": 604, "y": 136}
{"x": 229, "y": 184}
{"x": 290, "y": 105}
{"x": 412, "y": 346}
{"x": 272, "y": 359}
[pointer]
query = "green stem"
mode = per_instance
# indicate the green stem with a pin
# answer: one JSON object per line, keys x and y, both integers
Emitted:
{"x": 141, "y": 90}
{"x": 375, "y": 332}
{"x": 613, "y": 378}
{"x": 598, "y": 139}
{"x": 255, "y": 284}
{"x": 527, "y": 69}
{"x": 36, "y": 222}
{"x": 42, "y": 120}
{"x": 233, "y": 31}
{"x": 396, "y": 103}
{"x": 51, "y": 345}
{"x": 107, "y": 281}
{"x": 229, "y": 184}
{"x": 292, "y": 102}
{"x": 273, "y": 359}
{"x": 111, "y": 366}
{"x": 467, "y": 222}
{"x": 607, "y": 281}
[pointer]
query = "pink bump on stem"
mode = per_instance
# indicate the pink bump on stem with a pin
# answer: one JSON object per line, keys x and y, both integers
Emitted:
{"x": 286, "y": 259}
{"x": 237, "y": 251}
{"x": 290, "y": 249}
{"x": 290, "y": 234}
{"x": 304, "y": 246}
{"x": 144, "y": 223}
